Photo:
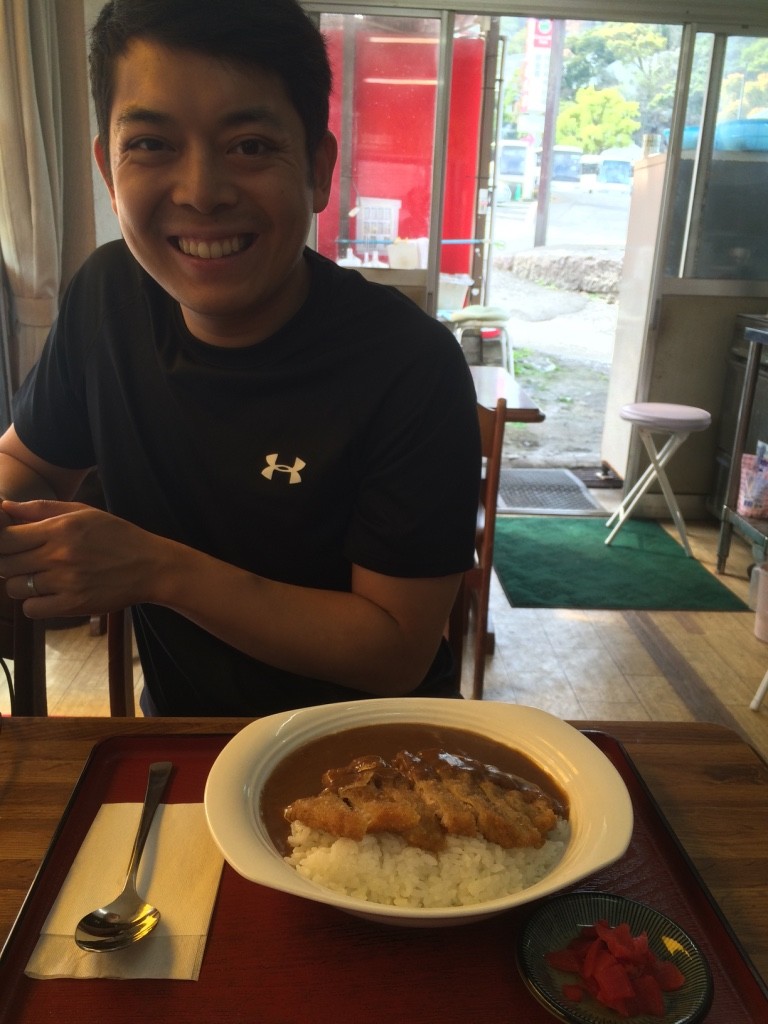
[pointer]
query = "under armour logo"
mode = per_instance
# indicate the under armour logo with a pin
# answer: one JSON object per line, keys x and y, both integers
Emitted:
{"x": 273, "y": 466}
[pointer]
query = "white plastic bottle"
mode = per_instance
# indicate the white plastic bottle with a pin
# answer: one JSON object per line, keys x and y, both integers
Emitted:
{"x": 350, "y": 260}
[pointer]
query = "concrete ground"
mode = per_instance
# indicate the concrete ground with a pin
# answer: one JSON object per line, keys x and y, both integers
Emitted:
{"x": 563, "y": 347}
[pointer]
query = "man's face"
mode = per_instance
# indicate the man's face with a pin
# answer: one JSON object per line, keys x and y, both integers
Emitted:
{"x": 211, "y": 184}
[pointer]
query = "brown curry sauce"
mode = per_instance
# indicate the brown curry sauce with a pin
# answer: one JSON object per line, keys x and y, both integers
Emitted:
{"x": 300, "y": 772}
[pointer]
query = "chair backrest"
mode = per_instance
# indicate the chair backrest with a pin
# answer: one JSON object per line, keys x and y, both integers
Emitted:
{"x": 492, "y": 423}
{"x": 479, "y": 579}
{"x": 475, "y": 588}
{"x": 122, "y": 703}
{"x": 22, "y": 640}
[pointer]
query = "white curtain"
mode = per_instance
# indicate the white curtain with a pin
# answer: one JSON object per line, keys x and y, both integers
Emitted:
{"x": 5, "y": 343}
{"x": 30, "y": 173}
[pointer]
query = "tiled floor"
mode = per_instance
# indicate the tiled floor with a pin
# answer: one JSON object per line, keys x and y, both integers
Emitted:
{"x": 603, "y": 665}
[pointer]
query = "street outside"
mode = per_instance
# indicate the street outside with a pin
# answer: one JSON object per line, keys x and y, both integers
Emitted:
{"x": 562, "y": 339}
{"x": 576, "y": 216}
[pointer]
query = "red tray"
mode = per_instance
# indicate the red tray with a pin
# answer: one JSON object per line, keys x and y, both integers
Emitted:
{"x": 276, "y": 959}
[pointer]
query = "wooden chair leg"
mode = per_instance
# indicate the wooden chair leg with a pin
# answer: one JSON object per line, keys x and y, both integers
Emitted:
{"x": 97, "y": 625}
{"x": 120, "y": 664}
{"x": 30, "y": 694}
{"x": 490, "y": 637}
{"x": 478, "y": 678}
{"x": 455, "y": 629}
{"x": 482, "y": 640}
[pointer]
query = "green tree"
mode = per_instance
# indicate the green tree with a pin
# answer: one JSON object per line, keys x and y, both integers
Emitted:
{"x": 743, "y": 96}
{"x": 597, "y": 119}
{"x": 746, "y": 55}
{"x": 745, "y": 83}
{"x": 514, "y": 31}
{"x": 588, "y": 58}
{"x": 510, "y": 101}
{"x": 641, "y": 60}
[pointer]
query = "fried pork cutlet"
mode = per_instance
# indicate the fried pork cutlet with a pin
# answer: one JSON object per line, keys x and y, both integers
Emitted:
{"x": 425, "y": 796}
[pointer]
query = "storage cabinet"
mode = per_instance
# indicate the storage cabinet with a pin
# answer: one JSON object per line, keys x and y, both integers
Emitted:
{"x": 750, "y": 425}
{"x": 733, "y": 387}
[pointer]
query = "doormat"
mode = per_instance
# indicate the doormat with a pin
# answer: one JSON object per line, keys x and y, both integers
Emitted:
{"x": 564, "y": 563}
{"x": 598, "y": 477}
{"x": 545, "y": 492}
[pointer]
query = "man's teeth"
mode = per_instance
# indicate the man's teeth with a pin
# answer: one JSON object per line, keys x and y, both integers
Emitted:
{"x": 211, "y": 250}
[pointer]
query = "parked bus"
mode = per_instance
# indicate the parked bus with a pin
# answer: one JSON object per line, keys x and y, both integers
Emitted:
{"x": 516, "y": 173}
{"x": 615, "y": 169}
{"x": 590, "y": 164}
{"x": 566, "y": 168}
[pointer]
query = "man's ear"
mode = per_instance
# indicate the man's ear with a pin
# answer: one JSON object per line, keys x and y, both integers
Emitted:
{"x": 323, "y": 164}
{"x": 102, "y": 162}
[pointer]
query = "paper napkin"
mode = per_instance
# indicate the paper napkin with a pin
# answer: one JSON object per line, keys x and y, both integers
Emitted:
{"x": 179, "y": 874}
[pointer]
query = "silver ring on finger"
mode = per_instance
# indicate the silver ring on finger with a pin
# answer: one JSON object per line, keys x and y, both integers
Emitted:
{"x": 31, "y": 588}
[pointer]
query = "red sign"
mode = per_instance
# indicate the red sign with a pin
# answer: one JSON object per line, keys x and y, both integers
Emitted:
{"x": 542, "y": 34}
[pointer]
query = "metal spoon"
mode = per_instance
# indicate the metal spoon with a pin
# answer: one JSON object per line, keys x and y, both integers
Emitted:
{"x": 127, "y": 918}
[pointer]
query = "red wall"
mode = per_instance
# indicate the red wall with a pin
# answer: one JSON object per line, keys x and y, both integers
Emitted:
{"x": 463, "y": 145}
{"x": 393, "y": 132}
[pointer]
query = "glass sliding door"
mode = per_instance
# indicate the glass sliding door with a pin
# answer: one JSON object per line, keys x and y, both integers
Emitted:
{"x": 406, "y": 111}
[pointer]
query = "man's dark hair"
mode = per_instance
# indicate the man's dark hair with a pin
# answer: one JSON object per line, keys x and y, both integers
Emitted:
{"x": 273, "y": 35}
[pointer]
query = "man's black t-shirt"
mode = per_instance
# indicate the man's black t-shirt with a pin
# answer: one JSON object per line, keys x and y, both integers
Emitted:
{"x": 349, "y": 436}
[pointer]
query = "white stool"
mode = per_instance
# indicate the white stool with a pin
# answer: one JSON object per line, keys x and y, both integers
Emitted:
{"x": 479, "y": 318}
{"x": 658, "y": 418}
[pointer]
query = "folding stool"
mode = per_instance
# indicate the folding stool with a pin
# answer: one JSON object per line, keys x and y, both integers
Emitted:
{"x": 678, "y": 421}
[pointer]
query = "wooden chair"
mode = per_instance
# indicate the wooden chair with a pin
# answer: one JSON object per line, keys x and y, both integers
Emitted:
{"x": 456, "y": 628}
{"x": 22, "y": 640}
{"x": 122, "y": 703}
{"x": 476, "y": 585}
{"x": 474, "y": 592}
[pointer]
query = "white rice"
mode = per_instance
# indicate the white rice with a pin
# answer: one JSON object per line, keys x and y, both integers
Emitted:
{"x": 384, "y": 869}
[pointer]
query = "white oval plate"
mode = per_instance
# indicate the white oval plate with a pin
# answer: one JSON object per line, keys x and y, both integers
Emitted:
{"x": 600, "y": 808}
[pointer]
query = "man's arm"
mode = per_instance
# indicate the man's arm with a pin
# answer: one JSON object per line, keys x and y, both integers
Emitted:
{"x": 23, "y": 475}
{"x": 380, "y": 638}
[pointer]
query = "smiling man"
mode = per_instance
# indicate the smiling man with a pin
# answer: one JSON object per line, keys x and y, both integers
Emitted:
{"x": 289, "y": 454}
{"x": 214, "y": 188}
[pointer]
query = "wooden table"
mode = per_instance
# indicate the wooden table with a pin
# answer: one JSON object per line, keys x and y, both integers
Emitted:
{"x": 712, "y": 787}
{"x": 494, "y": 382}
